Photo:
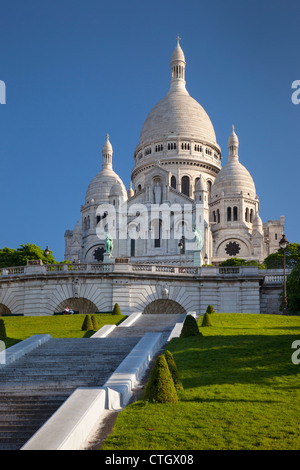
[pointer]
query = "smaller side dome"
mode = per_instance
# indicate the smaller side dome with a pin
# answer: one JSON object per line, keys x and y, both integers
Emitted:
{"x": 233, "y": 178}
{"x": 257, "y": 223}
{"x": 130, "y": 192}
{"x": 116, "y": 190}
{"x": 200, "y": 184}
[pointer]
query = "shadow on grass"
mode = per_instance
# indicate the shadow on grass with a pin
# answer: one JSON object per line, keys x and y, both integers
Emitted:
{"x": 244, "y": 359}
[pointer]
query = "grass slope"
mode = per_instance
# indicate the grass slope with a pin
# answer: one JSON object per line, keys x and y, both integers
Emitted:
{"x": 241, "y": 391}
{"x": 58, "y": 326}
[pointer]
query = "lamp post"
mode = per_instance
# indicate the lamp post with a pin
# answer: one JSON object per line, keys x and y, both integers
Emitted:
{"x": 283, "y": 244}
{"x": 181, "y": 245}
{"x": 47, "y": 252}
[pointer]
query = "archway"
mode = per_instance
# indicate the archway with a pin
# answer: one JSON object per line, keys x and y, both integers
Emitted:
{"x": 79, "y": 304}
{"x": 164, "y": 306}
{"x": 4, "y": 310}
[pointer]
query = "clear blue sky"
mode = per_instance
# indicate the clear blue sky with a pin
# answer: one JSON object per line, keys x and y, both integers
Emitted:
{"x": 76, "y": 70}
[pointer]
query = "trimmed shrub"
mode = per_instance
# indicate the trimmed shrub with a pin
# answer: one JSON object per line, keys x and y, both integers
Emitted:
{"x": 116, "y": 310}
{"x": 87, "y": 323}
{"x": 2, "y": 329}
{"x": 190, "y": 327}
{"x": 160, "y": 387}
{"x": 206, "y": 320}
{"x": 173, "y": 369}
{"x": 210, "y": 309}
{"x": 94, "y": 322}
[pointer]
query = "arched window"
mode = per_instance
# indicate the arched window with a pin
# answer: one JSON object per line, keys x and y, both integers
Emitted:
{"x": 132, "y": 247}
{"x": 214, "y": 217}
{"x": 235, "y": 213}
{"x": 218, "y": 216}
{"x": 185, "y": 185}
{"x": 173, "y": 182}
{"x": 247, "y": 215}
{"x": 228, "y": 214}
{"x": 157, "y": 240}
{"x": 251, "y": 216}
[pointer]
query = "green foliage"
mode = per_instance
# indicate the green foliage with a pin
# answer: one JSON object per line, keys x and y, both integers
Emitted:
{"x": 94, "y": 322}
{"x": 87, "y": 323}
{"x": 239, "y": 262}
{"x": 160, "y": 387}
{"x": 210, "y": 309}
{"x": 190, "y": 327}
{"x": 206, "y": 321}
{"x": 275, "y": 260}
{"x": 173, "y": 369}
{"x": 241, "y": 368}
{"x": 293, "y": 290}
{"x": 116, "y": 310}
{"x": 2, "y": 329}
{"x": 19, "y": 257}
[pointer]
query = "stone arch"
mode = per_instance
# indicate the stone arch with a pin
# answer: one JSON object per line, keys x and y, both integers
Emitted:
{"x": 4, "y": 309}
{"x": 79, "y": 304}
{"x": 163, "y": 306}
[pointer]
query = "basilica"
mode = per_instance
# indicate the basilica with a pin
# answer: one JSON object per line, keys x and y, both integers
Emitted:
{"x": 179, "y": 188}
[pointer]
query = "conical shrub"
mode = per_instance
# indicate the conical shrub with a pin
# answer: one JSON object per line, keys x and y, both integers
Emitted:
{"x": 94, "y": 322}
{"x": 173, "y": 369}
{"x": 206, "y": 320}
{"x": 2, "y": 329}
{"x": 87, "y": 323}
{"x": 160, "y": 387}
{"x": 210, "y": 309}
{"x": 116, "y": 310}
{"x": 190, "y": 327}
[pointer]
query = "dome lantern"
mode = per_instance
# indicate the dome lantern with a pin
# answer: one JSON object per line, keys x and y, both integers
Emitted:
{"x": 233, "y": 144}
{"x": 107, "y": 153}
{"x": 178, "y": 67}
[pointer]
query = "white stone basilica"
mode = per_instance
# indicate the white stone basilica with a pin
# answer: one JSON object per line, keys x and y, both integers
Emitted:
{"x": 177, "y": 164}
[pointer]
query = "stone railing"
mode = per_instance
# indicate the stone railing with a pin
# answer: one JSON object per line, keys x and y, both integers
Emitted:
{"x": 269, "y": 276}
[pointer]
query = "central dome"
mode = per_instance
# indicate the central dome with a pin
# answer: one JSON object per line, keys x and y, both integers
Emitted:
{"x": 178, "y": 114}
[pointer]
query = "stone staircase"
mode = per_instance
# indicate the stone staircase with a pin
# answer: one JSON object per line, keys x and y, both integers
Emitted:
{"x": 33, "y": 387}
{"x": 162, "y": 323}
{"x": 36, "y": 385}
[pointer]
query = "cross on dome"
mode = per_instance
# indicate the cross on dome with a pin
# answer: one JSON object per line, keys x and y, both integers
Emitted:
{"x": 178, "y": 39}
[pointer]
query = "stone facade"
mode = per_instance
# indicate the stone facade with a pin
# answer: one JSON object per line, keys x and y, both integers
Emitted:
{"x": 43, "y": 290}
{"x": 177, "y": 163}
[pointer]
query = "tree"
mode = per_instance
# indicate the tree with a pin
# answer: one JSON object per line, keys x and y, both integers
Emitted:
{"x": 206, "y": 321}
{"x": 292, "y": 257}
{"x": 94, "y": 322}
{"x": 239, "y": 262}
{"x": 173, "y": 369}
{"x": 293, "y": 290}
{"x": 87, "y": 323}
{"x": 190, "y": 327}
{"x": 19, "y": 257}
{"x": 160, "y": 387}
{"x": 116, "y": 310}
{"x": 2, "y": 329}
{"x": 210, "y": 309}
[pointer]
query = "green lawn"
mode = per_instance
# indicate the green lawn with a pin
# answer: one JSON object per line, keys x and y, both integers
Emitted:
{"x": 241, "y": 391}
{"x": 59, "y": 326}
